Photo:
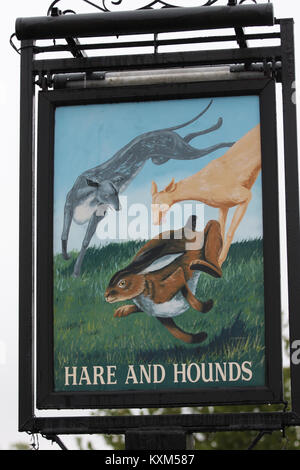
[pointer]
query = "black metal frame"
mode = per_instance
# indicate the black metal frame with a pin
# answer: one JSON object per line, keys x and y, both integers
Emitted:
{"x": 44, "y": 69}
{"x": 272, "y": 391}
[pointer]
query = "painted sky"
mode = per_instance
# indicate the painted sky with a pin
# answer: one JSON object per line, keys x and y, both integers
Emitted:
{"x": 86, "y": 136}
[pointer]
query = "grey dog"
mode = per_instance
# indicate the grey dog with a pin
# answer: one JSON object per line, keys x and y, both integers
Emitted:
{"x": 98, "y": 188}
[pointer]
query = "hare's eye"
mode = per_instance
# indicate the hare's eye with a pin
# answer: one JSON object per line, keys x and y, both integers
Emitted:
{"x": 122, "y": 283}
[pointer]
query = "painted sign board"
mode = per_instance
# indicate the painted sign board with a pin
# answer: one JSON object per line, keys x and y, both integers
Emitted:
{"x": 158, "y": 246}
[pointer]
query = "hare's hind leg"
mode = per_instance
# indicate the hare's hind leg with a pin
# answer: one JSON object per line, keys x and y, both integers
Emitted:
{"x": 196, "y": 304}
{"x": 209, "y": 254}
{"x": 180, "y": 334}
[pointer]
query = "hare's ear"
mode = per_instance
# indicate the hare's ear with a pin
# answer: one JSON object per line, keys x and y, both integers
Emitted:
{"x": 171, "y": 187}
{"x": 161, "y": 263}
{"x": 154, "y": 189}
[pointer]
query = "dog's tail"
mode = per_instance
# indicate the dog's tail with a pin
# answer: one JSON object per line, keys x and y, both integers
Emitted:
{"x": 180, "y": 126}
{"x": 191, "y": 136}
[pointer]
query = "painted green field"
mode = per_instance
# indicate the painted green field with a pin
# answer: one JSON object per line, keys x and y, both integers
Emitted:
{"x": 87, "y": 334}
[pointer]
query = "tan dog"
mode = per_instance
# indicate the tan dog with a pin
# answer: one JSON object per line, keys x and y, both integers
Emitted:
{"x": 224, "y": 183}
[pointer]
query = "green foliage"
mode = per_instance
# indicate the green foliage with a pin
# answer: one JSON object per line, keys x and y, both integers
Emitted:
{"x": 231, "y": 440}
{"x": 20, "y": 446}
{"x": 81, "y": 446}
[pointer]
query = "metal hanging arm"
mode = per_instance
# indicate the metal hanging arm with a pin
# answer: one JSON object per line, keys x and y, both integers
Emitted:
{"x": 72, "y": 42}
{"x": 260, "y": 435}
{"x": 57, "y": 440}
{"x": 144, "y": 21}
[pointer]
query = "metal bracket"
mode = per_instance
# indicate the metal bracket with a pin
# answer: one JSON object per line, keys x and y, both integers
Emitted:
{"x": 75, "y": 51}
{"x": 240, "y": 37}
{"x": 72, "y": 42}
{"x": 44, "y": 81}
{"x": 34, "y": 441}
{"x": 260, "y": 435}
{"x": 242, "y": 42}
{"x": 271, "y": 69}
{"x": 56, "y": 439}
{"x": 62, "y": 80}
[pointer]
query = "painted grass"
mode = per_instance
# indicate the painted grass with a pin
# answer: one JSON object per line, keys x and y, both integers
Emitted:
{"x": 86, "y": 334}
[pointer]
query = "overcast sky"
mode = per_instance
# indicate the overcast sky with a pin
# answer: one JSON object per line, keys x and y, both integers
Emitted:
{"x": 9, "y": 161}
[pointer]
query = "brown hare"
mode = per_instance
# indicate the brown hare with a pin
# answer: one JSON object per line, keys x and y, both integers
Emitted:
{"x": 162, "y": 278}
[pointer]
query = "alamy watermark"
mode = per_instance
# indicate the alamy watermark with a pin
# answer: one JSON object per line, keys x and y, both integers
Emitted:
{"x": 296, "y": 352}
{"x": 135, "y": 222}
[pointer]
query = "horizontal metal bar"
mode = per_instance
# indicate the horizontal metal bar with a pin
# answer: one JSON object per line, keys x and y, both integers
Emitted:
{"x": 190, "y": 422}
{"x": 158, "y": 43}
{"x": 190, "y": 74}
{"x": 144, "y": 21}
{"x": 163, "y": 60}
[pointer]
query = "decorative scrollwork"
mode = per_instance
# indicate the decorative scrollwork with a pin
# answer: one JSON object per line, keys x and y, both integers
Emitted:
{"x": 243, "y": 1}
{"x": 174, "y": 4}
{"x": 112, "y": 5}
{"x": 165, "y": 4}
{"x": 142, "y": 5}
